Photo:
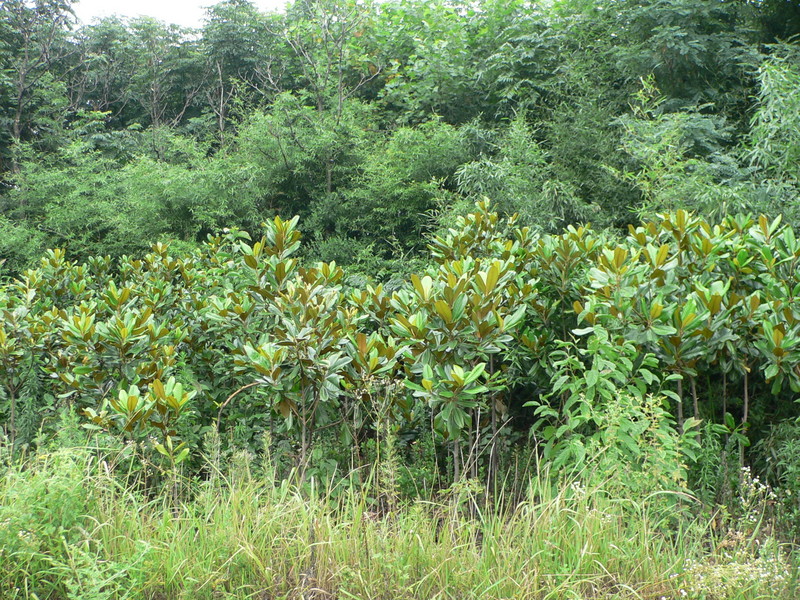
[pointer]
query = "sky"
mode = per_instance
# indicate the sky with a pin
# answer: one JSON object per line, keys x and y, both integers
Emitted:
{"x": 188, "y": 13}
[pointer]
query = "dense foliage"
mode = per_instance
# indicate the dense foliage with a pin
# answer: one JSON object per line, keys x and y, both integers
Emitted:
{"x": 371, "y": 119}
{"x": 434, "y": 382}
{"x": 680, "y": 318}
{"x": 451, "y": 328}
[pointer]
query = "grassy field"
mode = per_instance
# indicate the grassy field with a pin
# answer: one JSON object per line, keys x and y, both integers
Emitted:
{"x": 70, "y": 530}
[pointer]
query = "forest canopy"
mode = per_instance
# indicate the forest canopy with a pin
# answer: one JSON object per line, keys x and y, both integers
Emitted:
{"x": 377, "y": 122}
{"x": 411, "y": 299}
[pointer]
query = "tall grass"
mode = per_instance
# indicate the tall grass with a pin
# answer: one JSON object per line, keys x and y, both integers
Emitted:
{"x": 70, "y": 530}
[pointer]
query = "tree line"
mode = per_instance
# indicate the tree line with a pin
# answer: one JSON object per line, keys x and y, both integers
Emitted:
{"x": 380, "y": 122}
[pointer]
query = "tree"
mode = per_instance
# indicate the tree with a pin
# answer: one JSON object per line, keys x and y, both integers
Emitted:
{"x": 243, "y": 53}
{"x": 520, "y": 179}
{"x": 775, "y": 131}
{"x": 168, "y": 74}
{"x": 32, "y": 44}
{"x": 698, "y": 50}
{"x": 102, "y": 71}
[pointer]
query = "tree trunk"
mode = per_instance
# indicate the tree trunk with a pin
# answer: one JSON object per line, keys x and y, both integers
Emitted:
{"x": 493, "y": 459}
{"x": 303, "y": 442}
{"x": 12, "y": 422}
{"x": 470, "y": 445}
{"x": 725, "y": 400}
{"x": 745, "y": 415}
{"x": 16, "y": 136}
{"x": 456, "y": 461}
{"x": 746, "y": 408}
{"x": 473, "y": 450}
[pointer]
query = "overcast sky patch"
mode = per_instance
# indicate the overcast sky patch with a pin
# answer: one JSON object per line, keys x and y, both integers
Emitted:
{"x": 187, "y": 13}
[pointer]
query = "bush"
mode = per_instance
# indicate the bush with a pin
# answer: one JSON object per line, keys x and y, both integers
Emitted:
{"x": 49, "y": 547}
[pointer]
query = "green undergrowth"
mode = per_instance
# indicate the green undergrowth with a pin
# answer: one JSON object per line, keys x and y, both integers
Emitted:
{"x": 71, "y": 529}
